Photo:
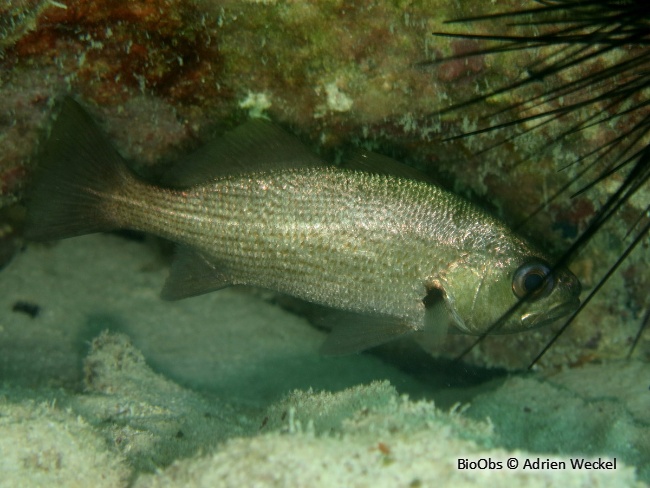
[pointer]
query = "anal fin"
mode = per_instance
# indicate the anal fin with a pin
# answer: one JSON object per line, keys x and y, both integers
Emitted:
{"x": 192, "y": 274}
{"x": 352, "y": 333}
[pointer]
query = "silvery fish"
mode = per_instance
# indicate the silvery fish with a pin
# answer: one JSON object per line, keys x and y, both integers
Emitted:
{"x": 371, "y": 239}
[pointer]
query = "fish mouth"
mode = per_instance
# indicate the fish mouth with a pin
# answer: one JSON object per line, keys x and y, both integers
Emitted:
{"x": 547, "y": 317}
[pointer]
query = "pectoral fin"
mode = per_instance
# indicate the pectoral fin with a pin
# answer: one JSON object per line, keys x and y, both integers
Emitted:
{"x": 436, "y": 320}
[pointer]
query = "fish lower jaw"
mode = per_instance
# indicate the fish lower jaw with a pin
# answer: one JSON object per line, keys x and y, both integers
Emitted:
{"x": 540, "y": 319}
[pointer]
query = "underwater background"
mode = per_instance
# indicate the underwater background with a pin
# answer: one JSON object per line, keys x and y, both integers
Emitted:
{"x": 104, "y": 383}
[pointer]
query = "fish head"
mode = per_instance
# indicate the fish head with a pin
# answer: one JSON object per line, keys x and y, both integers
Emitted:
{"x": 509, "y": 295}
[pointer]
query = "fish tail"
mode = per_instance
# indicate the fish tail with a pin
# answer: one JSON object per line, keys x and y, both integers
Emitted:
{"x": 78, "y": 177}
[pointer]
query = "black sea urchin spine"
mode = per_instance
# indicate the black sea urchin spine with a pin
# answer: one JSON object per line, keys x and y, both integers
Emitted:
{"x": 597, "y": 65}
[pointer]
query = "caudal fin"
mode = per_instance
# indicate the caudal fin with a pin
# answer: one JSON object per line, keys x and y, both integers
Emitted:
{"x": 79, "y": 171}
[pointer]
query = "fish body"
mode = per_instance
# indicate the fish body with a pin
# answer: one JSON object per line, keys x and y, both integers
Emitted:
{"x": 346, "y": 239}
{"x": 359, "y": 239}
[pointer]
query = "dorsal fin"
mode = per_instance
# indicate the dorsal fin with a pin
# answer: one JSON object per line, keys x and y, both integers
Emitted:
{"x": 370, "y": 162}
{"x": 257, "y": 145}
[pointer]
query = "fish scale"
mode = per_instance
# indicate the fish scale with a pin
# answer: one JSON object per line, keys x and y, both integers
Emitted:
{"x": 316, "y": 242}
{"x": 371, "y": 238}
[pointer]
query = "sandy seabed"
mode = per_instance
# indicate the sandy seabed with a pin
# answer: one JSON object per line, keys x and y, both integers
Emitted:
{"x": 104, "y": 384}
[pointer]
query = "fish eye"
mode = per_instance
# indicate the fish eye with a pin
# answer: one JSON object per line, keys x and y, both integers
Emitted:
{"x": 533, "y": 279}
